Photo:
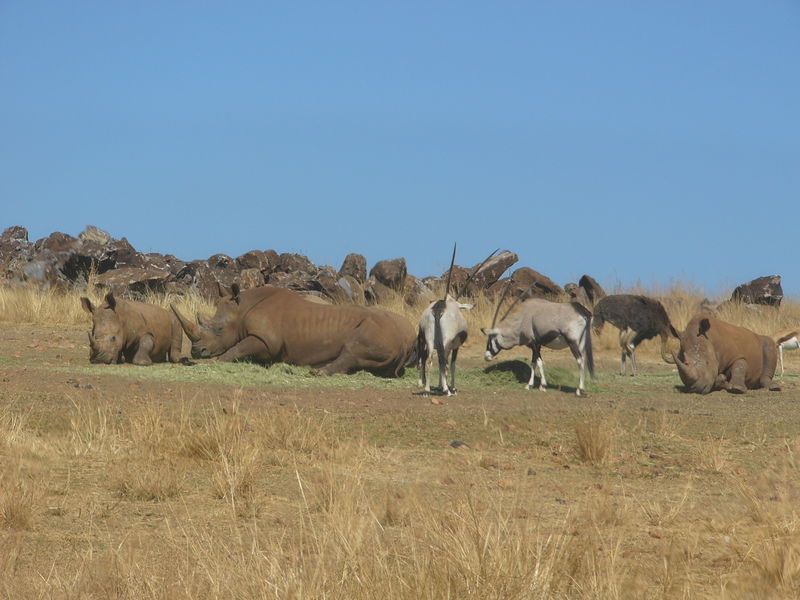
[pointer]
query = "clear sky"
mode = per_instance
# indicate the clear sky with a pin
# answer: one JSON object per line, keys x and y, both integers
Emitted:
{"x": 634, "y": 141}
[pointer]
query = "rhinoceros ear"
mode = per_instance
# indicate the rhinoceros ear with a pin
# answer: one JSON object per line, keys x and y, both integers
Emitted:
{"x": 111, "y": 301}
{"x": 223, "y": 290}
{"x": 87, "y": 305}
{"x": 235, "y": 289}
{"x": 705, "y": 325}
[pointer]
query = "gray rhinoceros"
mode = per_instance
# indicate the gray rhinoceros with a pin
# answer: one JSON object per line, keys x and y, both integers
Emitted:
{"x": 270, "y": 324}
{"x": 130, "y": 331}
{"x": 716, "y": 355}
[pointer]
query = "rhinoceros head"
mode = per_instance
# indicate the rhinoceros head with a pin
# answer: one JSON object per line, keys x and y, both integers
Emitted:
{"x": 106, "y": 337}
{"x": 697, "y": 360}
{"x": 214, "y": 337}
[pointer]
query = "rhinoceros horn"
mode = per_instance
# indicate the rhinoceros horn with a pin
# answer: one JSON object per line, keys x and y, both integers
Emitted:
{"x": 687, "y": 372}
{"x": 190, "y": 328}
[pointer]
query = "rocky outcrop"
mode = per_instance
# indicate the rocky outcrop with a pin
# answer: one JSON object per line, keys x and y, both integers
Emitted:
{"x": 762, "y": 290}
{"x": 63, "y": 261}
{"x": 528, "y": 283}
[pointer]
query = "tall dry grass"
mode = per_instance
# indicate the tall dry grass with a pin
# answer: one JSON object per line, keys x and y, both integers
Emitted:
{"x": 30, "y": 304}
{"x": 335, "y": 530}
{"x": 59, "y": 308}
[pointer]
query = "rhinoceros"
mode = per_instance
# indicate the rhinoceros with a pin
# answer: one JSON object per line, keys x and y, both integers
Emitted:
{"x": 131, "y": 331}
{"x": 270, "y": 324}
{"x": 716, "y": 355}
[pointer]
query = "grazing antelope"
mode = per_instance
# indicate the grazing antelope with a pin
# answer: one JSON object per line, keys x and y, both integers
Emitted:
{"x": 540, "y": 322}
{"x": 638, "y": 318}
{"x": 443, "y": 328}
{"x": 787, "y": 339}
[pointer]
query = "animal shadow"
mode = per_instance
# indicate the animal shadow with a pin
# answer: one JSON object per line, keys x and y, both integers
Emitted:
{"x": 520, "y": 369}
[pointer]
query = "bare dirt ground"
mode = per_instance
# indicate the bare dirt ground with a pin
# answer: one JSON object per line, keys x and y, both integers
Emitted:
{"x": 641, "y": 490}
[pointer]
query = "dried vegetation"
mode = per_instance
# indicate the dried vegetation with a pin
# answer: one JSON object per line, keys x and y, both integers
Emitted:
{"x": 636, "y": 492}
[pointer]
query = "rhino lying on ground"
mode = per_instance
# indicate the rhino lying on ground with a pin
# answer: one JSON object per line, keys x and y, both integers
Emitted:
{"x": 130, "y": 331}
{"x": 269, "y": 324}
{"x": 717, "y": 355}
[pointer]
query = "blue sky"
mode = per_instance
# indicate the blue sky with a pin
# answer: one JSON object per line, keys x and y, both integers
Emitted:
{"x": 634, "y": 141}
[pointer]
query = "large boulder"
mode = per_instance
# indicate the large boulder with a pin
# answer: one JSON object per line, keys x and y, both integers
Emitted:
{"x": 416, "y": 292}
{"x": 458, "y": 281}
{"x": 257, "y": 259}
{"x": 355, "y": 266}
{"x": 762, "y": 290}
{"x": 134, "y": 282}
{"x": 15, "y": 250}
{"x": 536, "y": 284}
{"x": 391, "y": 273}
{"x": 95, "y": 234}
{"x": 352, "y": 289}
{"x": 483, "y": 275}
{"x": 294, "y": 264}
{"x": 376, "y": 292}
{"x": 251, "y": 278}
{"x": 529, "y": 283}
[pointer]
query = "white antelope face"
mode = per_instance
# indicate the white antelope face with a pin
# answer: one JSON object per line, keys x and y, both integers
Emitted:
{"x": 493, "y": 343}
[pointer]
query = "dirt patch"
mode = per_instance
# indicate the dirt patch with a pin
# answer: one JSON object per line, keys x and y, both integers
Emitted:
{"x": 118, "y": 481}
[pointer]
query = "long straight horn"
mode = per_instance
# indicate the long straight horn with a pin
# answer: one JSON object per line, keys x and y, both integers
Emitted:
{"x": 450, "y": 272}
{"x": 500, "y": 303}
{"x": 517, "y": 300}
{"x": 476, "y": 271}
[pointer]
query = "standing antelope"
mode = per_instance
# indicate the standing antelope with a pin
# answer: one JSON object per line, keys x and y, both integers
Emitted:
{"x": 638, "y": 318}
{"x": 443, "y": 328}
{"x": 538, "y": 323}
{"x": 787, "y": 339}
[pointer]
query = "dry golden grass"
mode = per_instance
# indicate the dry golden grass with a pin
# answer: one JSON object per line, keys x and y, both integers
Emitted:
{"x": 631, "y": 493}
{"x": 595, "y": 440}
{"x": 30, "y": 304}
{"x": 280, "y": 506}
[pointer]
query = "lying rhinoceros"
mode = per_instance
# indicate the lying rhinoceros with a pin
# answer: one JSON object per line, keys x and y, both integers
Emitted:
{"x": 269, "y": 324}
{"x": 136, "y": 332}
{"x": 716, "y": 355}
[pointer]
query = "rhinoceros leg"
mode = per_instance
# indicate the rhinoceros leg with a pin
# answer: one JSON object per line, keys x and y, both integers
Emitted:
{"x": 344, "y": 363}
{"x": 142, "y": 356}
{"x": 738, "y": 372}
{"x": 251, "y": 347}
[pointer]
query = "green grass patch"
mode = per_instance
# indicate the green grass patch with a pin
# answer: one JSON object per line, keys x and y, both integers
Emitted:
{"x": 508, "y": 374}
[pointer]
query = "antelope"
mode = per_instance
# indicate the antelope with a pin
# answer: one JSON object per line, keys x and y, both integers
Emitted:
{"x": 787, "y": 339}
{"x": 540, "y": 322}
{"x": 638, "y": 318}
{"x": 443, "y": 328}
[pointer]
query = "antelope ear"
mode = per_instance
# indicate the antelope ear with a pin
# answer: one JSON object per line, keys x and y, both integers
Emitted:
{"x": 235, "y": 289}
{"x": 87, "y": 304}
{"x": 705, "y": 325}
{"x": 111, "y": 301}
